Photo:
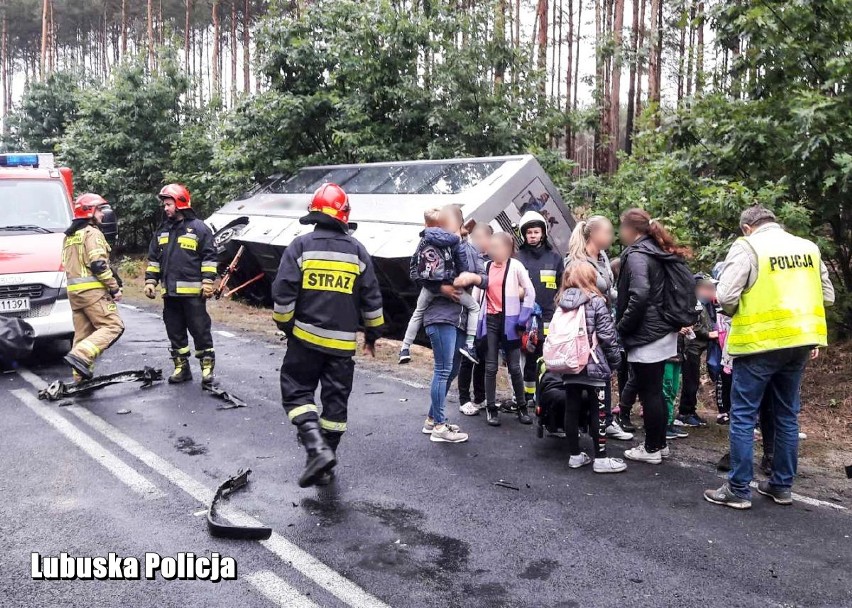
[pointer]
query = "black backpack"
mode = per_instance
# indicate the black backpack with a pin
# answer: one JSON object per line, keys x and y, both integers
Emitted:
{"x": 679, "y": 300}
{"x": 435, "y": 263}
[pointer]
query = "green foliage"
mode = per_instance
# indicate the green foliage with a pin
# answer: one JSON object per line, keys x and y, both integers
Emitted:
{"x": 45, "y": 112}
{"x": 121, "y": 145}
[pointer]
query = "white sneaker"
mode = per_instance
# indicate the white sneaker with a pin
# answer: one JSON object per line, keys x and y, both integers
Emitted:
{"x": 665, "y": 452}
{"x": 803, "y": 435}
{"x": 616, "y": 432}
{"x": 580, "y": 460}
{"x": 640, "y": 455}
{"x": 444, "y": 433}
{"x": 469, "y": 409}
{"x": 609, "y": 465}
{"x": 429, "y": 426}
{"x": 557, "y": 433}
{"x": 678, "y": 422}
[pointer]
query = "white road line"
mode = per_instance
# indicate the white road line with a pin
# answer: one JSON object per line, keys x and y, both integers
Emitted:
{"x": 124, "y": 473}
{"x": 324, "y": 576}
{"x": 130, "y": 307}
{"x": 274, "y": 588}
{"x": 227, "y": 334}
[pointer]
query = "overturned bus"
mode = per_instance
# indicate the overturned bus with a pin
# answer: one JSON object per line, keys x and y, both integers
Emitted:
{"x": 388, "y": 201}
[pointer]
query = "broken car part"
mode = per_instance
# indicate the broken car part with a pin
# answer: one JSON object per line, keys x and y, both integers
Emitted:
{"x": 59, "y": 390}
{"x": 226, "y": 397}
{"x": 222, "y": 530}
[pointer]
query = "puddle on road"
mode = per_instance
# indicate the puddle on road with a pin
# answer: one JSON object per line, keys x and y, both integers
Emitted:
{"x": 188, "y": 446}
{"x": 540, "y": 570}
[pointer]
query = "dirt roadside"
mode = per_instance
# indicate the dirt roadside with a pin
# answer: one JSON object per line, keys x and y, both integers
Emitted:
{"x": 826, "y": 394}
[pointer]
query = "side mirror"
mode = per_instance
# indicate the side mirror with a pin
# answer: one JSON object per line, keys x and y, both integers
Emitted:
{"x": 109, "y": 226}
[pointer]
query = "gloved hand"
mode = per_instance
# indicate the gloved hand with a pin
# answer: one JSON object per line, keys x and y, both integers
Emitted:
{"x": 207, "y": 289}
{"x": 150, "y": 291}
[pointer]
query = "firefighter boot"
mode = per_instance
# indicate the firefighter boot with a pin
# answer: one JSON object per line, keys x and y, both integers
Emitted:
{"x": 79, "y": 367}
{"x": 320, "y": 456}
{"x": 208, "y": 364}
{"x": 333, "y": 440}
{"x": 182, "y": 372}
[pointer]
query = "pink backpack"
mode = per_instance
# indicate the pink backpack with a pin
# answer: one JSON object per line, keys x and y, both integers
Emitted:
{"x": 568, "y": 347}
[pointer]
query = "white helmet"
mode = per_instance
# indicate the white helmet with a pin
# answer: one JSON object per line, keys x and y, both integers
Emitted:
{"x": 531, "y": 218}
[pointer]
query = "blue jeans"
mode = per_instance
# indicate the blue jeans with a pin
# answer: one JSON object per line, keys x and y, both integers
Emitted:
{"x": 779, "y": 375}
{"x": 446, "y": 340}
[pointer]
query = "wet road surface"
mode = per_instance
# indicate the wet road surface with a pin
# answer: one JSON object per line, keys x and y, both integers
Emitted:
{"x": 408, "y": 524}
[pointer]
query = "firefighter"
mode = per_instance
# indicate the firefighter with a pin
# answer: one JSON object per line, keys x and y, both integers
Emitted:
{"x": 182, "y": 260}
{"x": 545, "y": 267}
{"x": 92, "y": 288}
{"x": 324, "y": 289}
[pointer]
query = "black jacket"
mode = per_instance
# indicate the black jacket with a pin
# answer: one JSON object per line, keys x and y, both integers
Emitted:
{"x": 325, "y": 287}
{"x": 638, "y": 311}
{"x": 181, "y": 255}
{"x": 545, "y": 267}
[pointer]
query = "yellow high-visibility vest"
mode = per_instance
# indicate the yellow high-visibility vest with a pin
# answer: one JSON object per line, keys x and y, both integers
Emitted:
{"x": 784, "y": 308}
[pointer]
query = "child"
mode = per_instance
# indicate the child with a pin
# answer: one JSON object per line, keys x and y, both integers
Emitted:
{"x": 705, "y": 335}
{"x": 725, "y": 378}
{"x": 579, "y": 288}
{"x": 438, "y": 261}
{"x": 503, "y": 313}
{"x": 471, "y": 372}
{"x": 671, "y": 383}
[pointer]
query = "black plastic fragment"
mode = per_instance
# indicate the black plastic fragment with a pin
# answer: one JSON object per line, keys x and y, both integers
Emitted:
{"x": 222, "y": 530}
{"x": 507, "y": 485}
{"x": 59, "y": 390}
{"x": 225, "y": 396}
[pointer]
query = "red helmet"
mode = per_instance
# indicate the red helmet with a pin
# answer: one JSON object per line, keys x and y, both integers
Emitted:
{"x": 177, "y": 192}
{"x": 85, "y": 205}
{"x": 331, "y": 200}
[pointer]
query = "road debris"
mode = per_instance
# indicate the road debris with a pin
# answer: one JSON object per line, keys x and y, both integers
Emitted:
{"x": 223, "y": 530}
{"x": 225, "y": 396}
{"x": 58, "y": 390}
{"x": 507, "y": 485}
{"x": 124, "y": 411}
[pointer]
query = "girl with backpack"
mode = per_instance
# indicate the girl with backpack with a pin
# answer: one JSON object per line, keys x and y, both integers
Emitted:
{"x": 504, "y": 312}
{"x": 656, "y": 298}
{"x": 582, "y": 341}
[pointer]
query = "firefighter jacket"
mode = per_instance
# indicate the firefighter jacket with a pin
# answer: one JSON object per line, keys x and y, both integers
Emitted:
{"x": 325, "y": 288}
{"x": 85, "y": 257}
{"x": 545, "y": 267}
{"x": 181, "y": 256}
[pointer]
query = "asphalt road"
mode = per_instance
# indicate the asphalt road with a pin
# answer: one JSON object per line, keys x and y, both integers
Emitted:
{"x": 409, "y": 523}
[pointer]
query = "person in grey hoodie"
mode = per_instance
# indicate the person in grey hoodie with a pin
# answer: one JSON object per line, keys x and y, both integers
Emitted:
{"x": 565, "y": 392}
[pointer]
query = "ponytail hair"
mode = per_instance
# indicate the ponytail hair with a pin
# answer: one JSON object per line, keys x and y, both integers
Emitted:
{"x": 580, "y": 236}
{"x": 640, "y": 221}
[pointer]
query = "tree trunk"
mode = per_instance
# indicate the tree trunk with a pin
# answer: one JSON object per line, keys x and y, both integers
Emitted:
{"x": 43, "y": 63}
{"x": 600, "y": 130}
{"x": 557, "y": 74}
{"x": 123, "y": 28}
{"x": 615, "y": 95}
{"x": 569, "y": 100}
{"x": 541, "y": 63}
{"x": 655, "y": 55}
{"x": 640, "y": 45}
{"x": 690, "y": 54}
{"x": 246, "y": 49}
{"x": 699, "y": 51}
{"x": 217, "y": 75}
{"x": 681, "y": 51}
{"x": 577, "y": 71}
{"x": 151, "y": 65}
{"x": 233, "y": 52}
{"x": 186, "y": 34}
{"x": 631, "y": 90}
{"x": 4, "y": 69}
{"x": 500, "y": 38}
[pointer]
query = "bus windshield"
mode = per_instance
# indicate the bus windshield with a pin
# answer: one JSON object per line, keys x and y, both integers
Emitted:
{"x": 36, "y": 203}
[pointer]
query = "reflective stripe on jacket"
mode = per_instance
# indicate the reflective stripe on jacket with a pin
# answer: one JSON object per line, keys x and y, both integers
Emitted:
{"x": 85, "y": 257}
{"x": 325, "y": 289}
{"x": 784, "y": 308}
{"x": 181, "y": 256}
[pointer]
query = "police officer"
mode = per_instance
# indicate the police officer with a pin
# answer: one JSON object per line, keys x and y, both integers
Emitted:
{"x": 545, "y": 267}
{"x": 325, "y": 289}
{"x": 92, "y": 288}
{"x": 776, "y": 287}
{"x": 182, "y": 260}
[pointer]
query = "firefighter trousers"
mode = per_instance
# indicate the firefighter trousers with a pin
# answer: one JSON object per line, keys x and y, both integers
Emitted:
{"x": 302, "y": 371}
{"x": 531, "y": 369}
{"x": 182, "y": 315}
{"x": 96, "y": 327}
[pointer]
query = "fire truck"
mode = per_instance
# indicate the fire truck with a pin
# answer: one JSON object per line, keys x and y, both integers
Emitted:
{"x": 35, "y": 210}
